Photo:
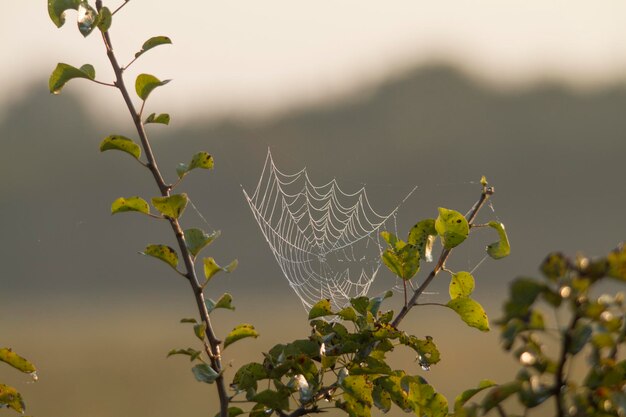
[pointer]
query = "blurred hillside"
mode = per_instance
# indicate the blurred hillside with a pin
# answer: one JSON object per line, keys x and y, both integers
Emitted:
{"x": 554, "y": 155}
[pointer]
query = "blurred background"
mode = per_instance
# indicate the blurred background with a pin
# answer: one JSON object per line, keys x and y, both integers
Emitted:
{"x": 428, "y": 94}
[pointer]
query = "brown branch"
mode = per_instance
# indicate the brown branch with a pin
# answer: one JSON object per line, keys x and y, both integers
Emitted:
{"x": 213, "y": 347}
{"x": 445, "y": 253}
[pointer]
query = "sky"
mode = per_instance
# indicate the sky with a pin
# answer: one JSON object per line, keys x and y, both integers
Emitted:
{"x": 258, "y": 58}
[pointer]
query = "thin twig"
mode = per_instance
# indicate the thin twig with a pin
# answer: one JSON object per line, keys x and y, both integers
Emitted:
{"x": 212, "y": 349}
{"x": 445, "y": 253}
{"x": 120, "y": 7}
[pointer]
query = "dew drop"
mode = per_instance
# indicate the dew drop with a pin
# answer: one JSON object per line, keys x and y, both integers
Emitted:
{"x": 565, "y": 292}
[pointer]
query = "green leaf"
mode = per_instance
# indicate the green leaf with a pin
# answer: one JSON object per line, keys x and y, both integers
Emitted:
{"x": 617, "y": 263}
{"x": 121, "y": 143}
{"x": 438, "y": 406}
{"x": 360, "y": 304}
{"x": 200, "y": 160}
{"x": 470, "y": 312}
{"x": 500, "y": 393}
{"x": 211, "y": 268}
{"x": 381, "y": 398}
{"x": 240, "y": 332}
{"x": 9, "y": 397}
{"x": 501, "y": 248}
{"x": 162, "y": 118}
{"x": 65, "y": 72}
{"x": 199, "y": 330}
{"x": 580, "y": 336}
{"x": 320, "y": 309}
{"x": 122, "y": 205}
{"x": 403, "y": 260}
{"x": 145, "y": 83}
{"x": 248, "y": 375}
{"x": 461, "y": 285}
{"x": 466, "y": 395}
{"x": 105, "y": 19}
{"x": 188, "y": 320}
{"x": 554, "y": 266}
{"x": 87, "y": 18}
{"x": 232, "y": 412}
{"x": 192, "y": 353}
{"x": 452, "y": 227}
{"x": 391, "y": 384}
{"x": 422, "y": 236}
{"x": 353, "y": 407}
{"x": 348, "y": 313}
{"x": 151, "y": 43}
{"x": 225, "y": 301}
{"x": 172, "y": 206}
{"x": 16, "y": 361}
{"x": 57, "y": 8}
{"x": 204, "y": 373}
{"x": 375, "y": 302}
{"x": 197, "y": 239}
{"x": 276, "y": 400}
{"x": 162, "y": 252}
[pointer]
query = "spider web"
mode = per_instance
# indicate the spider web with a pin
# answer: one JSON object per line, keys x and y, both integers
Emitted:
{"x": 325, "y": 240}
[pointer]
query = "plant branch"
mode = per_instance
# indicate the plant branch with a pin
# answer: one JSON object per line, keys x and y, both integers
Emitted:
{"x": 213, "y": 347}
{"x": 445, "y": 253}
{"x": 559, "y": 376}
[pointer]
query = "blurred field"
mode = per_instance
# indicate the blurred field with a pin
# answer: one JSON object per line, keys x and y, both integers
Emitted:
{"x": 101, "y": 361}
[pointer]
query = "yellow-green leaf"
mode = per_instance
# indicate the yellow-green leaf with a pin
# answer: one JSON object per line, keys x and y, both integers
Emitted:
{"x": 617, "y": 263}
{"x": 121, "y": 143}
{"x": 233, "y": 412}
{"x": 130, "y": 204}
{"x": 65, "y": 72}
{"x": 153, "y": 42}
{"x": 466, "y": 395}
{"x": 162, "y": 252}
{"x": 320, "y": 309}
{"x": 501, "y": 248}
{"x": 16, "y": 361}
{"x": 422, "y": 235}
{"x": 471, "y": 312}
{"x": 172, "y": 206}
{"x": 199, "y": 330}
{"x": 461, "y": 285}
{"x": 240, "y": 332}
{"x": 9, "y": 397}
{"x": 452, "y": 226}
{"x": 225, "y": 301}
{"x": 162, "y": 118}
{"x": 200, "y": 160}
{"x": 359, "y": 387}
{"x": 146, "y": 83}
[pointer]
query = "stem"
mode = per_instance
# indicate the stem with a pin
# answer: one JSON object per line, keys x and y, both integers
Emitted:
{"x": 445, "y": 253}
{"x": 559, "y": 377}
{"x": 213, "y": 347}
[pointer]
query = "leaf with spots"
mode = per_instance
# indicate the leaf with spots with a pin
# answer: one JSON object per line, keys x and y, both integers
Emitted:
{"x": 471, "y": 312}
{"x": 201, "y": 160}
{"x": 122, "y": 205}
{"x": 105, "y": 19}
{"x": 320, "y": 309}
{"x": 65, "y": 72}
{"x": 172, "y": 206}
{"x": 452, "y": 227}
{"x": 10, "y": 398}
{"x": 461, "y": 285}
{"x": 87, "y": 18}
{"x": 360, "y": 387}
{"x": 240, "y": 332}
{"x": 16, "y": 361}
{"x": 121, "y": 143}
{"x": 422, "y": 236}
{"x": 162, "y": 252}
{"x": 502, "y": 247}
